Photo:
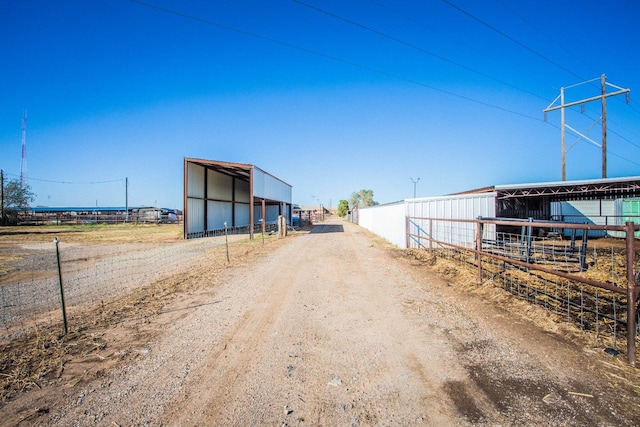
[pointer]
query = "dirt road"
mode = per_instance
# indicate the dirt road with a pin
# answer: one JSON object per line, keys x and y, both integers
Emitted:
{"x": 333, "y": 329}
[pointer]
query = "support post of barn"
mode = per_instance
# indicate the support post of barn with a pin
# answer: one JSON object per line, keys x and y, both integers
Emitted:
{"x": 632, "y": 294}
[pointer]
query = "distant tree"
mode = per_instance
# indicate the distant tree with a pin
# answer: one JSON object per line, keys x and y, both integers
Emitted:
{"x": 343, "y": 208}
{"x": 362, "y": 199}
{"x": 16, "y": 197}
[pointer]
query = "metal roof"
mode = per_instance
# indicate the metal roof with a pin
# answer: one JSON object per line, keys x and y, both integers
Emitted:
{"x": 236, "y": 170}
{"x": 605, "y": 187}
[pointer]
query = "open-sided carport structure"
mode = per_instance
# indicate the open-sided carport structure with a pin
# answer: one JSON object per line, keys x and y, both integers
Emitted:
{"x": 240, "y": 195}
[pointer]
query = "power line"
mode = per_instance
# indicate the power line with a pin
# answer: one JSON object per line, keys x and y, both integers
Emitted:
{"x": 507, "y": 36}
{"x": 478, "y": 72}
{"x": 71, "y": 182}
{"x": 506, "y": 6}
{"x": 331, "y": 57}
{"x": 418, "y": 48}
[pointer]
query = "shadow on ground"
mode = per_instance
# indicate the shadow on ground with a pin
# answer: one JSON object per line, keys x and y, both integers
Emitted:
{"x": 327, "y": 228}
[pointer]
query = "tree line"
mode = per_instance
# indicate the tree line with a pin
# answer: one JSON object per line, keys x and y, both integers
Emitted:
{"x": 358, "y": 199}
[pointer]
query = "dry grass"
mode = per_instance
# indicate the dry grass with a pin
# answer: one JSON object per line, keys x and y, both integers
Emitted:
{"x": 42, "y": 356}
{"x": 464, "y": 275}
{"x": 93, "y": 233}
{"x": 12, "y": 239}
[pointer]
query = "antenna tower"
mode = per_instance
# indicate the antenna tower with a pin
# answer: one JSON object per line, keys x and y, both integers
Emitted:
{"x": 23, "y": 164}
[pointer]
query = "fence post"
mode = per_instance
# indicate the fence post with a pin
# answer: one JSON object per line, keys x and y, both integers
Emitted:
{"x": 430, "y": 235}
{"x": 64, "y": 310}
{"x": 479, "y": 248}
{"x": 226, "y": 240}
{"x": 632, "y": 296}
{"x": 529, "y": 238}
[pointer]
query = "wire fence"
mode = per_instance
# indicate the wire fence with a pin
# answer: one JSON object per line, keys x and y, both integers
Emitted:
{"x": 33, "y": 291}
{"x": 591, "y": 282}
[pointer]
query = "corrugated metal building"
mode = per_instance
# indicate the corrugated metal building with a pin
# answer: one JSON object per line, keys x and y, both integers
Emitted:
{"x": 387, "y": 221}
{"x": 390, "y": 221}
{"x": 611, "y": 201}
{"x": 240, "y": 195}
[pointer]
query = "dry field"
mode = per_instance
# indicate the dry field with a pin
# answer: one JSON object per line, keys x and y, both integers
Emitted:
{"x": 327, "y": 327}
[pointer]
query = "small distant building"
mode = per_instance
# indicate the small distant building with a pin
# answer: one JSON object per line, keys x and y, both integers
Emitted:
{"x": 98, "y": 214}
{"x": 309, "y": 214}
{"x": 237, "y": 196}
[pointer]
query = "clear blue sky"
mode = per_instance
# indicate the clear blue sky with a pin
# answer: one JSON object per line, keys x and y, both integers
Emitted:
{"x": 330, "y": 96}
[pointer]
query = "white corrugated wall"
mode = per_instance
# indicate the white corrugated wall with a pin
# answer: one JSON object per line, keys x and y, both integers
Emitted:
{"x": 467, "y": 207}
{"x": 387, "y": 221}
{"x": 390, "y": 221}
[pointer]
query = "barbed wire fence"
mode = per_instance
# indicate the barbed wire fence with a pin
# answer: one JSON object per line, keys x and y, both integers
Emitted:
{"x": 31, "y": 293}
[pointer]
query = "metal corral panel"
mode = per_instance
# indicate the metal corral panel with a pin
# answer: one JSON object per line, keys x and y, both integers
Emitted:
{"x": 447, "y": 208}
{"x": 269, "y": 187}
{"x": 387, "y": 221}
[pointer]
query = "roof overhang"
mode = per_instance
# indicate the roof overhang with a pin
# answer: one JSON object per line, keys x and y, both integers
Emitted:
{"x": 599, "y": 188}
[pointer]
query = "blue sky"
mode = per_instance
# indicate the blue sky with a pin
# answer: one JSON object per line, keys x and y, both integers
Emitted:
{"x": 330, "y": 96}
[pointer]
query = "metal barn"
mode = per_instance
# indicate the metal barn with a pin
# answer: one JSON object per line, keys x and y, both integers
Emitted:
{"x": 393, "y": 221}
{"x": 219, "y": 195}
{"x": 607, "y": 201}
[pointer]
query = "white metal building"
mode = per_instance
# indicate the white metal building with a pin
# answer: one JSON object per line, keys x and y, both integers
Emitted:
{"x": 240, "y": 195}
{"x": 390, "y": 221}
{"x": 607, "y": 201}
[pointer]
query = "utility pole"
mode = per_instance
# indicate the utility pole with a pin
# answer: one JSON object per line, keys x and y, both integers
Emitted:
{"x": 23, "y": 164}
{"x": 604, "y": 125}
{"x": 2, "y": 196}
{"x": 126, "y": 199}
{"x": 603, "y": 97}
